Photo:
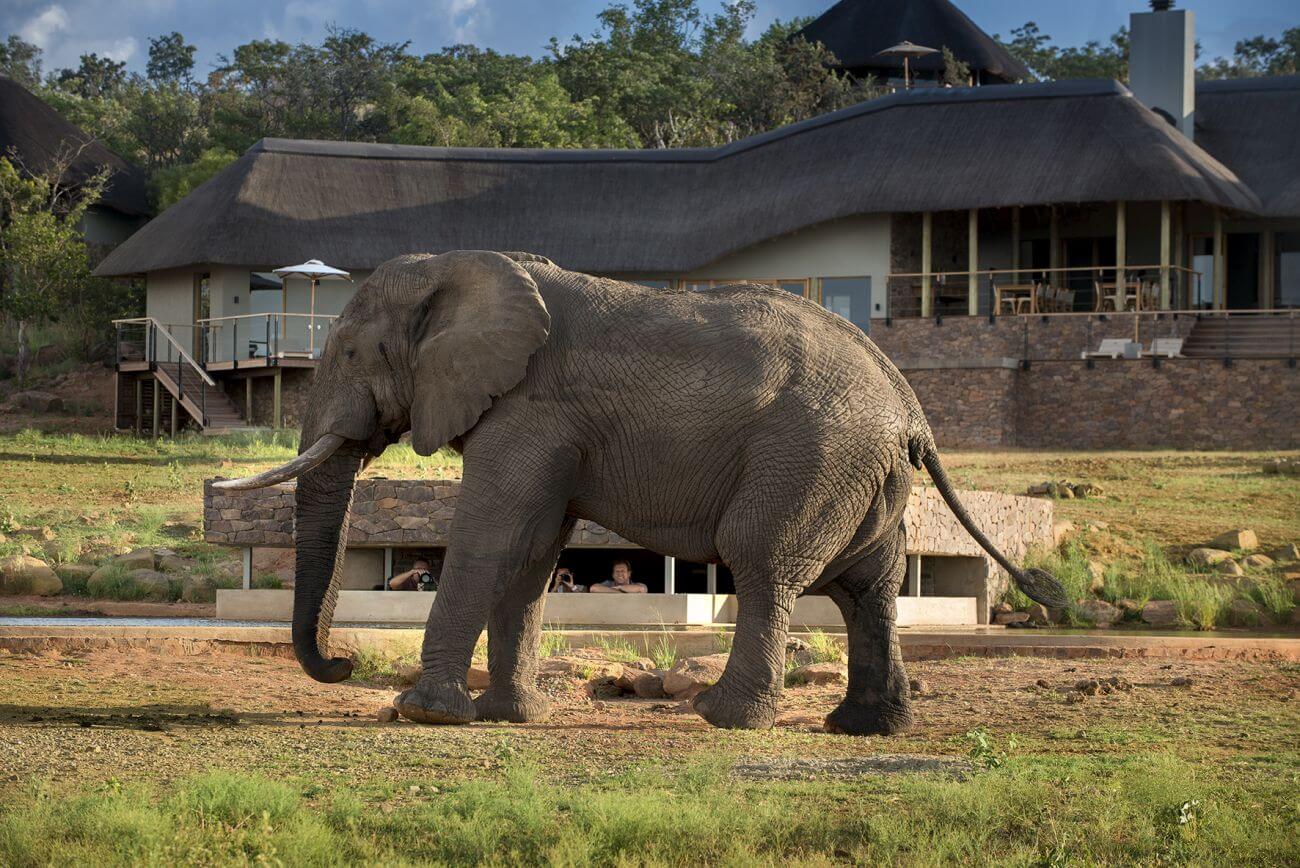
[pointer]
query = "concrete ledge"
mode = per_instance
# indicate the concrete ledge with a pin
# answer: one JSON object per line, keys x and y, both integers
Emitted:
{"x": 672, "y": 610}
{"x": 928, "y": 363}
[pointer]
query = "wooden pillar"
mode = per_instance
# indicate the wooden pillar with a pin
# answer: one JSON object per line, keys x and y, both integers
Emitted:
{"x": 156, "y": 410}
{"x": 1121, "y": 250}
{"x": 1165, "y": 230}
{"x": 1183, "y": 293}
{"x": 139, "y": 405}
{"x": 1220, "y": 278}
{"x": 1268, "y": 279}
{"x": 248, "y": 401}
{"x": 973, "y": 263}
{"x": 1054, "y": 254}
{"x": 175, "y": 415}
{"x": 927, "y": 249}
{"x": 1015, "y": 242}
{"x": 275, "y": 401}
{"x": 670, "y": 574}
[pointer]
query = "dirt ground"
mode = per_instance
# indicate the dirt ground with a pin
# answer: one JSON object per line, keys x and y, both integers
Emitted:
{"x": 112, "y": 717}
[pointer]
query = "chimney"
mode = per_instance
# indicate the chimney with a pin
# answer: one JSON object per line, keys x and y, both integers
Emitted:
{"x": 1161, "y": 62}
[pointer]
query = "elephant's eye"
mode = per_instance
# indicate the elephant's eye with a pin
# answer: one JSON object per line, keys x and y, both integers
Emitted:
{"x": 350, "y": 353}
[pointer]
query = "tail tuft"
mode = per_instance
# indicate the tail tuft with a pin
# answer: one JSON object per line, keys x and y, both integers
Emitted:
{"x": 1043, "y": 587}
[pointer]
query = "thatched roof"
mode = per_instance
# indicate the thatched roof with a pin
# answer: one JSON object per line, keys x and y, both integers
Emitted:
{"x": 665, "y": 211}
{"x": 39, "y": 134}
{"x": 1253, "y": 126}
{"x": 857, "y": 30}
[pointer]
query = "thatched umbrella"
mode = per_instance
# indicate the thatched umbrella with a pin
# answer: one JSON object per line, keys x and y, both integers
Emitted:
{"x": 907, "y": 50}
{"x": 315, "y": 271}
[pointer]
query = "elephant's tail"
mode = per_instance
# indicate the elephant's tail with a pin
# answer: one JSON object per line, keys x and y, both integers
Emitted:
{"x": 1038, "y": 584}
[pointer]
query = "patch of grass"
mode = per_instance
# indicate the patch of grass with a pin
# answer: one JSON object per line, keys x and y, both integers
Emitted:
{"x": 825, "y": 648}
{"x": 267, "y": 582}
{"x": 553, "y": 644}
{"x": 617, "y": 649}
{"x": 380, "y": 661}
{"x": 116, "y": 583}
{"x": 1273, "y": 594}
{"x": 722, "y": 641}
{"x": 664, "y": 651}
{"x": 25, "y": 610}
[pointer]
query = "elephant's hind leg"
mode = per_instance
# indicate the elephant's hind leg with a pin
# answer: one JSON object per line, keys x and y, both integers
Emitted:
{"x": 877, "y": 701}
{"x": 514, "y": 634}
{"x": 746, "y": 695}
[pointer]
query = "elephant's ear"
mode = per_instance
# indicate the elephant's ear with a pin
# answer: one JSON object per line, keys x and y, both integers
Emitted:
{"x": 479, "y": 321}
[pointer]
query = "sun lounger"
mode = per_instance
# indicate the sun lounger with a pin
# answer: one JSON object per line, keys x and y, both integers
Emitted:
{"x": 1111, "y": 348}
{"x": 1167, "y": 348}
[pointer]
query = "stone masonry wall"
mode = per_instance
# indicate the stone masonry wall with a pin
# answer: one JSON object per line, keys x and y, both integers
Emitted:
{"x": 970, "y": 408}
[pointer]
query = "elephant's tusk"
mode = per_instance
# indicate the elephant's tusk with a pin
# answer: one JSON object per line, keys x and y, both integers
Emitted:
{"x": 319, "y": 451}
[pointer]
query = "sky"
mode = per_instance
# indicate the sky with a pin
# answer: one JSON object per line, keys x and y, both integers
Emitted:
{"x": 121, "y": 29}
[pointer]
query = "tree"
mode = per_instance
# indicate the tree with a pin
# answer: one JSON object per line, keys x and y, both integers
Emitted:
{"x": 21, "y": 61}
{"x": 168, "y": 186}
{"x": 1258, "y": 55}
{"x": 171, "y": 60}
{"x": 1048, "y": 62}
{"x": 42, "y": 253}
{"x": 956, "y": 73}
{"x": 96, "y": 77}
{"x": 164, "y": 124}
{"x": 352, "y": 70}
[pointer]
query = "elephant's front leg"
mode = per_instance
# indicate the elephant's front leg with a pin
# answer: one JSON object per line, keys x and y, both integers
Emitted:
{"x": 514, "y": 635}
{"x": 504, "y": 528}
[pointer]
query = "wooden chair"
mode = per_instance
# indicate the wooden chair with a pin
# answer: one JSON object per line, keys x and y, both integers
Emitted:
{"x": 1020, "y": 297}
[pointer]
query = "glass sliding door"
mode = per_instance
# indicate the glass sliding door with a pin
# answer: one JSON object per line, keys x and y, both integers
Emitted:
{"x": 850, "y": 297}
{"x": 1286, "y": 270}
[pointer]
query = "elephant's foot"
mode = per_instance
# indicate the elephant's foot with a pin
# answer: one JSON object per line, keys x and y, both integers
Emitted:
{"x": 723, "y": 708}
{"x": 851, "y": 718}
{"x": 432, "y": 702}
{"x": 513, "y": 705}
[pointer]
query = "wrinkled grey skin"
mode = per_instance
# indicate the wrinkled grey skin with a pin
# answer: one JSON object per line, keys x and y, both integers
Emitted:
{"x": 740, "y": 425}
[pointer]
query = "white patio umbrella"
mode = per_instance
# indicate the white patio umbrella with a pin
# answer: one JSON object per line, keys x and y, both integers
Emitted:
{"x": 315, "y": 271}
{"x": 907, "y": 50}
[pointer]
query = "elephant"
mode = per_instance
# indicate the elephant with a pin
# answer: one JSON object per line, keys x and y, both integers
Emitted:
{"x": 741, "y": 425}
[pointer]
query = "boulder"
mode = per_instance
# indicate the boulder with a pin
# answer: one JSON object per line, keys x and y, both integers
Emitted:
{"x": 919, "y": 685}
{"x": 37, "y": 402}
{"x": 170, "y": 563}
{"x": 1246, "y": 613}
{"x": 42, "y": 534}
{"x": 1002, "y": 608}
{"x": 136, "y": 559}
{"x": 1098, "y": 612}
{"x": 693, "y": 673}
{"x": 1010, "y": 618}
{"x": 1161, "y": 613}
{"x": 74, "y": 572}
{"x": 407, "y": 673}
{"x": 1288, "y": 552}
{"x": 1130, "y": 608}
{"x": 1061, "y": 531}
{"x": 1242, "y": 539}
{"x": 156, "y": 585}
{"x": 821, "y": 673}
{"x": 1254, "y": 562}
{"x": 1229, "y": 568}
{"x": 23, "y": 574}
{"x": 1096, "y": 577}
{"x": 648, "y": 685}
{"x": 387, "y": 714}
{"x": 1207, "y": 557}
{"x": 477, "y": 678}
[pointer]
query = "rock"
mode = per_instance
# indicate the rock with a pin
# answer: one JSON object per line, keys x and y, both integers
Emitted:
{"x": 387, "y": 714}
{"x": 1181, "y": 681}
{"x": 1061, "y": 531}
{"x": 794, "y": 644}
{"x": 136, "y": 559}
{"x": 1065, "y": 492}
{"x": 1130, "y": 608}
{"x": 156, "y": 585}
{"x": 1089, "y": 686}
{"x": 919, "y": 685}
{"x": 1229, "y": 568}
{"x": 1042, "y": 616}
{"x": 1242, "y": 539}
{"x": 1097, "y": 577}
{"x": 1119, "y": 682}
{"x": 74, "y": 572}
{"x": 477, "y": 678}
{"x": 1002, "y": 608}
{"x": 1245, "y": 613}
{"x": 648, "y": 685}
{"x": 43, "y": 534}
{"x": 23, "y": 574}
{"x": 580, "y": 667}
{"x": 1207, "y": 557}
{"x": 604, "y": 688}
{"x": 693, "y": 673}
{"x": 1010, "y": 617}
{"x": 643, "y": 663}
{"x": 820, "y": 673}
{"x": 1043, "y": 683}
{"x": 1098, "y": 612}
{"x": 1042, "y": 488}
{"x": 1074, "y": 698}
{"x": 1161, "y": 613}
{"x": 174, "y": 564}
{"x": 408, "y": 673}
{"x": 198, "y": 589}
{"x": 37, "y": 402}
{"x": 1288, "y": 552}
{"x": 1254, "y": 562}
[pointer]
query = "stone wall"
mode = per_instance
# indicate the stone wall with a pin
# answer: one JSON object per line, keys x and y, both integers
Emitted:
{"x": 294, "y": 384}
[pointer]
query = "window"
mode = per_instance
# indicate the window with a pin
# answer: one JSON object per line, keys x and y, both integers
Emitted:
{"x": 850, "y": 297}
{"x": 654, "y": 284}
{"x": 1287, "y": 270}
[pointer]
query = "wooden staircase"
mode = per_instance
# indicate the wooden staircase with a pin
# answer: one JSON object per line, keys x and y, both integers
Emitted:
{"x": 209, "y": 406}
{"x": 1244, "y": 336}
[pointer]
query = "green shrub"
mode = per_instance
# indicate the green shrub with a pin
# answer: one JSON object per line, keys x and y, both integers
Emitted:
{"x": 1273, "y": 594}
{"x": 267, "y": 582}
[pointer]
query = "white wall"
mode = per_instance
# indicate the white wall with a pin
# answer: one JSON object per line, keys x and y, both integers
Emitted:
{"x": 169, "y": 298}
{"x": 852, "y": 247}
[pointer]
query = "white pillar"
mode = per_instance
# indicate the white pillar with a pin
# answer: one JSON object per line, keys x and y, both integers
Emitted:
{"x": 927, "y": 243}
{"x": 914, "y": 575}
{"x": 670, "y": 574}
{"x": 1166, "y": 231}
{"x": 973, "y": 264}
{"x": 1121, "y": 251}
{"x": 1220, "y": 287}
{"x": 711, "y": 578}
{"x": 248, "y": 567}
{"x": 388, "y": 566}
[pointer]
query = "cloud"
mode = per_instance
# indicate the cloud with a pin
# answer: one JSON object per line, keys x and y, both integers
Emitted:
{"x": 464, "y": 18}
{"x": 38, "y": 30}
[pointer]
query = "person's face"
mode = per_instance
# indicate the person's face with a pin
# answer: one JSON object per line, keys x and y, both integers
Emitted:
{"x": 420, "y": 564}
{"x": 622, "y": 574}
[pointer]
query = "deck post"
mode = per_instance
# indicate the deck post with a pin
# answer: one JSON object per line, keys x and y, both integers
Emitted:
{"x": 247, "y": 560}
{"x": 1220, "y": 279}
{"x": 157, "y": 410}
{"x": 973, "y": 264}
{"x": 670, "y": 574}
{"x": 388, "y": 566}
{"x": 1121, "y": 254}
{"x": 914, "y": 575}
{"x": 248, "y": 401}
{"x": 139, "y": 405}
{"x": 1165, "y": 232}
{"x": 174, "y": 419}
{"x": 1268, "y": 281}
{"x": 711, "y": 578}
{"x": 927, "y": 244}
{"x": 1185, "y": 278}
{"x": 1054, "y": 236}
{"x": 1015, "y": 243}
{"x": 275, "y": 403}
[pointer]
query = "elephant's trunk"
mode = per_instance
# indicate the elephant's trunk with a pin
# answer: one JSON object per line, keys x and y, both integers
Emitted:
{"x": 321, "y": 514}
